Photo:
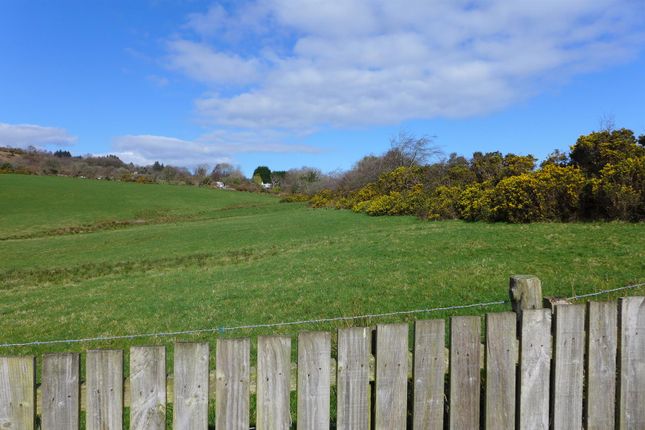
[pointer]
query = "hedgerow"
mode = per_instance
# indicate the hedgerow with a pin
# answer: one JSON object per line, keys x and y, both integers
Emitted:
{"x": 603, "y": 177}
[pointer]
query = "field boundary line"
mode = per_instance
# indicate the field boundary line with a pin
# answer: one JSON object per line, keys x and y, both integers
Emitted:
{"x": 292, "y": 323}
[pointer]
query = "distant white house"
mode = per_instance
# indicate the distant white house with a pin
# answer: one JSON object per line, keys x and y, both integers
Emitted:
{"x": 220, "y": 185}
{"x": 266, "y": 186}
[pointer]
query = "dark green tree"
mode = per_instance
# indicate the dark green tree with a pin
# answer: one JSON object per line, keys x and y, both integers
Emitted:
{"x": 594, "y": 151}
{"x": 488, "y": 166}
{"x": 264, "y": 172}
{"x": 514, "y": 165}
{"x": 62, "y": 154}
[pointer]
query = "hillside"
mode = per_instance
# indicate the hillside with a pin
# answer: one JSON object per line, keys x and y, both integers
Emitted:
{"x": 110, "y": 258}
{"x": 40, "y": 205}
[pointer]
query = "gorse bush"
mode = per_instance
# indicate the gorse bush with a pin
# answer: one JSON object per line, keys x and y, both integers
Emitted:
{"x": 515, "y": 199}
{"x": 603, "y": 177}
{"x": 621, "y": 189}
{"x": 559, "y": 189}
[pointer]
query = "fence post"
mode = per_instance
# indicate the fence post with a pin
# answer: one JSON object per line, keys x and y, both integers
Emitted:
{"x": 525, "y": 292}
{"x": 17, "y": 393}
{"x": 534, "y": 329}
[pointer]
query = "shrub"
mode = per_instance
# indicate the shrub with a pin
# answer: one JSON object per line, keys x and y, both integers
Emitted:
{"x": 443, "y": 203}
{"x": 475, "y": 202}
{"x": 559, "y": 189}
{"x": 6, "y": 168}
{"x": 294, "y": 198}
{"x": 400, "y": 179}
{"x": 385, "y": 204}
{"x": 322, "y": 199}
{"x": 621, "y": 189}
{"x": 516, "y": 200}
{"x": 594, "y": 151}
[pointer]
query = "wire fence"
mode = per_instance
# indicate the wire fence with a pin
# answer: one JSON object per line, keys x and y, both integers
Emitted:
{"x": 225, "y": 329}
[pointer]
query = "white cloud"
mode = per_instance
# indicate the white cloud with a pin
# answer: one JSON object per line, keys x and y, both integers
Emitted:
{"x": 362, "y": 62}
{"x": 216, "y": 147}
{"x": 24, "y": 135}
{"x": 205, "y": 64}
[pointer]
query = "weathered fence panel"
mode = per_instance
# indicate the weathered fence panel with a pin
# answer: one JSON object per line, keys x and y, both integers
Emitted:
{"x": 314, "y": 380}
{"x": 568, "y": 367}
{"x": 536, "y": 382}
{"x": 501, "y": 360}
{"x": 232, "y": 386}
{"x": 464, "y": 372}
{"x": 429, "y": 369}
{"x": 274, "y": 366}
{"x": 17, "y": 393}
{"x": 391, "y": 376}
{"x": 61, "y": 395}
{"x": 631, "y": 401}
{"x": 353, "y": 382}
{"x": 147, "y": 388}
{"x": 602, "y": 334}
{"x": 190, "y": 407}
{"x": 104, "y": 390}
{"x": 535, "y": 368}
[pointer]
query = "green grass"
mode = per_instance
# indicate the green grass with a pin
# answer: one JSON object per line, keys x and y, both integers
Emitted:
{"x": 206, "y": 258}
{"x": 37, "y": 206}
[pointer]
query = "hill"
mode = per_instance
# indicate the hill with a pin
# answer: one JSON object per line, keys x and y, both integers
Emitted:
{"x": 82, "y": 258}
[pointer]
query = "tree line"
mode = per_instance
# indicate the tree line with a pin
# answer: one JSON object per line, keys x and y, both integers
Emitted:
{"x": 34, "y": 161}
{"x": 601, "y": 177}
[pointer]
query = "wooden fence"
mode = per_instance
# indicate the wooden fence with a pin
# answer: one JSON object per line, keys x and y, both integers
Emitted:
{"x": 571, "y": 367}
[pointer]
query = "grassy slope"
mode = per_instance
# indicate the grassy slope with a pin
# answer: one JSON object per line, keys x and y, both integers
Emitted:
{"x": 35, "y": 204}
{"x": 260, "y": 261}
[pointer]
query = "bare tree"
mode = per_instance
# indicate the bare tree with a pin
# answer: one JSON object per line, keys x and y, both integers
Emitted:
{"x": 222, "y": 170}
{"x": 607, "y": 122}
{"x": 408, "y": 150}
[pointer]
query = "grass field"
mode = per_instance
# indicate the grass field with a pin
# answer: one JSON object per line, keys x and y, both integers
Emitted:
{"x": 81, "y": 258}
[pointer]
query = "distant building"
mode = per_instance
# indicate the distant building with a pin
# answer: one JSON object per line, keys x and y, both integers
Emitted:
{"x": 266, "y": 186}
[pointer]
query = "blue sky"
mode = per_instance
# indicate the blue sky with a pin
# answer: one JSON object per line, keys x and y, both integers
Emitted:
{"x": 311, "y": 82}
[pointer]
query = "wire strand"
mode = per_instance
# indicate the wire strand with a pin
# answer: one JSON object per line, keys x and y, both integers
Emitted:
{"x": 293, "y": 323}
{"x": 250, "y": 326}
{"x": 598, "y": 293}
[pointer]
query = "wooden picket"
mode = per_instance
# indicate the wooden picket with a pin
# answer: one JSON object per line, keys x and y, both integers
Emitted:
{"x": 391, "y": 376}
{"x": 429, "y": 369}
{"x": 631, "y": 413}
{"x": 535, "y": 368}
{"x": 568, "y": 366}
{"x": 104, "y": 389}
{"x": 353, "y": 378}
{"x": 61, "y": 391}
{"x": 602, "y": 329}
{"x": 314, "y": 380}
{"x": 501, "y": 361}
{"x": 190, "y": 406}
{"x": 17, "y": 393}
{"x": 535, "y": 377}
{"x": 464, "y": 373}
{"x": 147, "y": 388}
{"x": 232, "y": 386}
{"x": 274, "y": 365}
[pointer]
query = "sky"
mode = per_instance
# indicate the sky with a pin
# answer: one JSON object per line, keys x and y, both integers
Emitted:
{"x": 320, "y": 83}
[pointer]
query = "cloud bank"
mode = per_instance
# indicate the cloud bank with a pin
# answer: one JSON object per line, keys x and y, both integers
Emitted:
{"x": 24, "y": 135}
{"x": 305, "y": 64}
{"x": 212, "y": 148}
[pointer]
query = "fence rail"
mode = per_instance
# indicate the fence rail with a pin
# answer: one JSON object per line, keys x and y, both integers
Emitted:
{"x": 569, "y": 367}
